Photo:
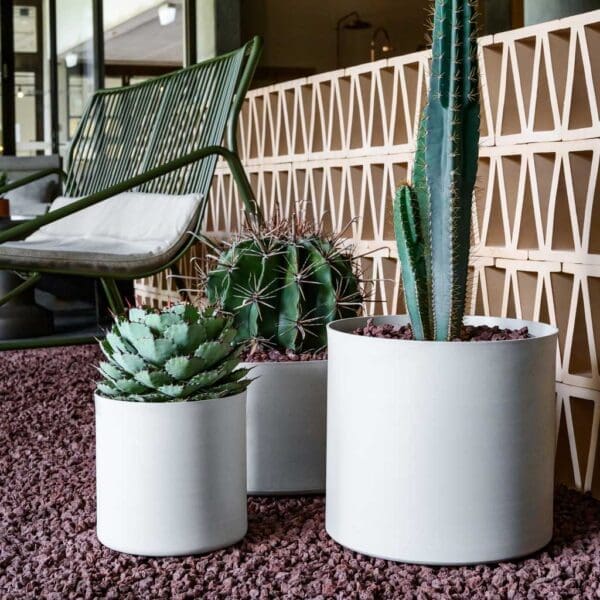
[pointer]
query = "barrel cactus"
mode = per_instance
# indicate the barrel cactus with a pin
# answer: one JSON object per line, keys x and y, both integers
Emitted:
{"x": 432, "y": 217}
{"x": 284, "y": 283}
{"x": 176, "y": 354}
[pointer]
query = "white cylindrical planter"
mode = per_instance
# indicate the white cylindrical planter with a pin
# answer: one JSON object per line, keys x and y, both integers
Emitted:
{"x": 286, "y": 427}
{"x": 170, "y": 477}
{"x": 440, "y": 452}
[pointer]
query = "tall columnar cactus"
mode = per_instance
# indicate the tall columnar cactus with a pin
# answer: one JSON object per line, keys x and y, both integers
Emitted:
{"x": 284, "y": 286}
{"x": 432, "y": 218}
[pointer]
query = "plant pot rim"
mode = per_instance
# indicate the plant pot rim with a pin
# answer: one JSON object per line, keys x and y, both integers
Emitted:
{"x": 537, "y": 329}
{"x": 156, "y": 405}
{"x": 312, "y": 361}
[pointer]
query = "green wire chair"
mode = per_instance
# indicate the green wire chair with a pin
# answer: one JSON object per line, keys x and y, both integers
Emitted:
{"x": 160, "y": 136}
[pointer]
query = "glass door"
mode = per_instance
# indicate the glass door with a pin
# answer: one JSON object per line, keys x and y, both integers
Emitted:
{"x": 30, "y": 115}
{"x": 75, "y": 54}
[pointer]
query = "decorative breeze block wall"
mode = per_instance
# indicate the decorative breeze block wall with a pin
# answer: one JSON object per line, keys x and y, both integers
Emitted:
{"x": 337, "y": 145}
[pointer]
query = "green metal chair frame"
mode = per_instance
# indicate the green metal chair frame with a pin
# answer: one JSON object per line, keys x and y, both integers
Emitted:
{"x": 124, "y": 143}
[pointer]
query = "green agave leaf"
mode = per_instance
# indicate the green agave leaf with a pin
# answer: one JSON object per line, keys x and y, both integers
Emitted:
{"x": 186, "y": 337}
{"x": 134, "y": 332}
{"x": 202, "y": 380}
{"x": 115, "y": 341}
{"x": 130, "y": 363}
{"x": 169, "y": 318}
{"x": 228, "y": 335}
{"x": 209, "y": 378}
{"x": 187, "y": 313}
{"x": 137, "y": 315}
{"x": 212, "y": 352}
{"x": 237, "y": 375}
{"x": 172, "y": 390}
{"x": 106, "y": 349}
{"x": 149, "y": 397}
{"x": 221, "y": 391}
{"x": 152, "y": 379}
{"x": 107, "y": 389}
{"x": 156, "y": 351}
{"x": 182, "y": 367}
{"x": 130, "y": 386}
{"x": 110, "y": 370}
{"x": 153, "y": 321}
{"x": 214, "y": 326}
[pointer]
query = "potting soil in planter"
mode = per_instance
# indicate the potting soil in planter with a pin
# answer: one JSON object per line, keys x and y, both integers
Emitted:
{"x": 469, "y": 333}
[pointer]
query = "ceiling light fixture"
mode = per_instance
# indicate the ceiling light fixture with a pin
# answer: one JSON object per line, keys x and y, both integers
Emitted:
{"x": 71, "y": 59}
{"x": 167, "y": 13}
{"x": 384, "y": 48}
{"x": 350, "y": 21}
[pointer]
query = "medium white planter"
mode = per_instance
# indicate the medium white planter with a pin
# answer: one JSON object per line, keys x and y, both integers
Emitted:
{"x": 286, "y": 427}
{"x": 440, "y": 452}
{"x": 170, "y": 477}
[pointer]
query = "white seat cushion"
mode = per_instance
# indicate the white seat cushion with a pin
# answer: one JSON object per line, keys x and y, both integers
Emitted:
{"x": 131, "y": 232}
{"x": 152, "y": 222}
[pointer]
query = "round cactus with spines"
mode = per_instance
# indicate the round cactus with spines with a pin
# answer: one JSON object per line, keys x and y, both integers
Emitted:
{"x": 284, "y": 282}
{"x": 177, "y": 354}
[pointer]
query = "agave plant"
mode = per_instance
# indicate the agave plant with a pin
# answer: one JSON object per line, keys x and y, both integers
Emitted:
{"x": 432, "y": 217}
{"x": 176, "y": 354}
{"x": 284, "y": 282}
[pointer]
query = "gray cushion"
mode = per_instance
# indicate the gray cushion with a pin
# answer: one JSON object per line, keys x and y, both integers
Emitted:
{"x": 131, "y": 233}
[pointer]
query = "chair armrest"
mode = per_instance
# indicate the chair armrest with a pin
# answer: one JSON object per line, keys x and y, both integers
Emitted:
{"x": 24, "y": 229}
{"x": 29, "y": 178}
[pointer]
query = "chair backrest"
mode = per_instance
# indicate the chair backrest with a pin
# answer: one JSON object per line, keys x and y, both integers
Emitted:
{"x": 126, "y": 131}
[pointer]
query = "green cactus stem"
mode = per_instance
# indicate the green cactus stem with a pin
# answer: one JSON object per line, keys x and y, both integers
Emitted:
{"x": 284, "y": 283}
{"x": 433, "y": 217}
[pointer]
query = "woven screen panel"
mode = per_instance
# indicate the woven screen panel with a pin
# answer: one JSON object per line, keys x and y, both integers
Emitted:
{"x": 127, "y": 131}
{"x": 337, "y": 145}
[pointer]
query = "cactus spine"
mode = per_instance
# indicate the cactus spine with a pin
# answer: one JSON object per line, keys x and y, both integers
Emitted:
{"x": 284, "y": 283}
{"x": 432, "y": 218}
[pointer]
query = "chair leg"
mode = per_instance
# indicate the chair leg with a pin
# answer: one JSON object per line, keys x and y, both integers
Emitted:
{"x": 245, "y": 189}
{"x": 183, "y": 293}
{"x": 113, "y": 296}
{"x": 27, "y": 283}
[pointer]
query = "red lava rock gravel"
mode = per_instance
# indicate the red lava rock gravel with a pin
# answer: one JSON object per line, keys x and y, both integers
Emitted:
{"x": 263, "y": 354}
{"x": 469, "y": 333}
{"x": 49, "y": 550}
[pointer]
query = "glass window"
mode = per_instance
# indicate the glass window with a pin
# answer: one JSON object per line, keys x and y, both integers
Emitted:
{"x": 74, "y": 23}
{"x": 128, "y": 26}
{"x": 31, "y": 119}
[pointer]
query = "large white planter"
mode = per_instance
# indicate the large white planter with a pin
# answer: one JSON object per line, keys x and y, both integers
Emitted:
{"x": 286, "y": 427}
{"x": 170, "y": 477}
{"x": 440, "y": 452}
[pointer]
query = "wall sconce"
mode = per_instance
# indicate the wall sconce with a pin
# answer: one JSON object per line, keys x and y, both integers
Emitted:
{"x": 350, "y": 21}
{"x": 167, "y": 13}
{"x": 71, "y": 59}
{"x": 20, "y": 92}
{"x": 385, "y": 47}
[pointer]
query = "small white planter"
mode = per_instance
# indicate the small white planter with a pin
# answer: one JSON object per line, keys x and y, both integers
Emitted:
{"x": 286, "y": 427}
{"x": 170, "y": 477}
{"x": 441, "y": 452}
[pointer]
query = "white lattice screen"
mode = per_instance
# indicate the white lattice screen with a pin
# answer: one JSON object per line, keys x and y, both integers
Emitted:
{"x": 340, "y": 143}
